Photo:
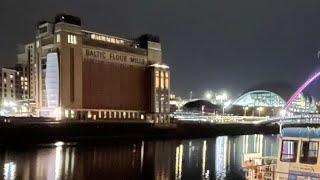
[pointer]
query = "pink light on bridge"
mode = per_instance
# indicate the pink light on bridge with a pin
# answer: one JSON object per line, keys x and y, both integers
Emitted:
{"x": 300, "y": 89}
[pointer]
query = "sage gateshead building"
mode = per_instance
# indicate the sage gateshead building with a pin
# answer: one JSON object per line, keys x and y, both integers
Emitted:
{"x": 275, "y": 95}
{"x": 87, "y": 75}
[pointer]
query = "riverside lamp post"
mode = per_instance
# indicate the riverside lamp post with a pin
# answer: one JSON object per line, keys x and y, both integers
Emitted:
{"x": 225, "y": 105}
{"x": 245, "y": 110}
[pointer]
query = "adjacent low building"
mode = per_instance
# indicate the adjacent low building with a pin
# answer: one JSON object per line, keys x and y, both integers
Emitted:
{"x": 88, "y": 75}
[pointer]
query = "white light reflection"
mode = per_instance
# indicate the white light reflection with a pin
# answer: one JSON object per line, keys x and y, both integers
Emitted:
{"x": 179, "y": 156}
{"x": 221, "y": 157}
{"x": 9, "y": 171}
{"x": 58, "y": 162}
{"x": 205, "y": 173}
{"x": 141, "y": 156}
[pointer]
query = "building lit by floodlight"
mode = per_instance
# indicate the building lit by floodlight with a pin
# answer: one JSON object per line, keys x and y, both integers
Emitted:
{"x": 88, "y": 75}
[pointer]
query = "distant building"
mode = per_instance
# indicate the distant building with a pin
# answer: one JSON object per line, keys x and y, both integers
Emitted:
{"x": 26, "y": 65}
{"x": 275, "y": 95}
{"x": 84, "y": 74}
{"x": 8, "y": 85}
{"x": 14, "y": 91}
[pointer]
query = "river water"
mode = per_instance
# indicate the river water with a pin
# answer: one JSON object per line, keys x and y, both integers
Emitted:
{"x": 212, "y": 158}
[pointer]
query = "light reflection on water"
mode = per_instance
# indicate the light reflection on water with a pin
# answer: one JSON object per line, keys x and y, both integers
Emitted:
{"x": 213, "y": 158}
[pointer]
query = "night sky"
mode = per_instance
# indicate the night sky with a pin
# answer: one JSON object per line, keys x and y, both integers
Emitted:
{"x": 218, "y": 45}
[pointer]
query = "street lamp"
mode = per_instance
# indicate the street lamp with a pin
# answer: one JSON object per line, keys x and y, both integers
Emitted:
{"x": 225, "y": 105}
{"x": 245, "y": 110}
{"x": 208, "y": 95}
{"x": 259, "y": 110}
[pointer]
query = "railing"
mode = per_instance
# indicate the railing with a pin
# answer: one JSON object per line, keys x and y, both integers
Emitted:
{"x": 268, "y": 172}
{"x": 298, "y": 119}
{"x": 212, "y": 118}
{"x": 260, "y": 172}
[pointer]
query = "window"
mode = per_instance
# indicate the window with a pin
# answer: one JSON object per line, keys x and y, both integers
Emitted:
{"x": 58, "y": 38}
{"x": 72, "y": 39}
{"x": 162, "y": 80}
{"x": 289, "y": 151}
{"x": 167, "y": 80}
{"x": 167, "y": 83}
{"x": 157, "y": 79}
{"x": 38, "y": 43}
{"x": 66, "y": 113}
{"x": 72, "y": 113}
{"x": 309, "y": 152}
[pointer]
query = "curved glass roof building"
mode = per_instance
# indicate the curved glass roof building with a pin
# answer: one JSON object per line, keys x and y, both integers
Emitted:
{"x": 260, "y": 98}
{"x": 276, "y": 95}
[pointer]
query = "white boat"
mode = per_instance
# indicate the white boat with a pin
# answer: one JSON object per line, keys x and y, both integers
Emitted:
{"x": 298, "y": 158}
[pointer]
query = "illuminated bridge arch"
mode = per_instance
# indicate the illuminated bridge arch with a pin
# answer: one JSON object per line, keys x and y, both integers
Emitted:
{"x": 300, "y": 89}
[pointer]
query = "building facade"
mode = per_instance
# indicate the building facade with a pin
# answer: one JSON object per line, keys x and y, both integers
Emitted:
{"x": 8, "y": 85}
{"x": 26, "y": 64}
{"x": 88, "y": 75}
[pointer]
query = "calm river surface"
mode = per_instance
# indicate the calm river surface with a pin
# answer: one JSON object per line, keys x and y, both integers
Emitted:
{"x": 213, "y": 158}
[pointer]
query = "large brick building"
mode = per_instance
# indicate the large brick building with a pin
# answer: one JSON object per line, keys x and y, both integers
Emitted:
{"x": 88, "y": 75}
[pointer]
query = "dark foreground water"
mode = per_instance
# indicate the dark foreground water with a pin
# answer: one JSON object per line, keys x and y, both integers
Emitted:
{"x": 214, "y": 158}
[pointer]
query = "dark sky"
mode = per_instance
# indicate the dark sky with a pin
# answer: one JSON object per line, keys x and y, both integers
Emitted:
{"x": 219, "y": 45}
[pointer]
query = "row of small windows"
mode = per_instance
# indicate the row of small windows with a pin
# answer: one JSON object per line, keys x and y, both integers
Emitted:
{"x": 5, "y": 75}
{"x": 103, "y": 115}
{"x": 5, "y": 80}
{"x": 308, "y": 151}
{"x": 106, "y": 39}
{"x": 5, "y": 90}
{"x": 5, "y": 95}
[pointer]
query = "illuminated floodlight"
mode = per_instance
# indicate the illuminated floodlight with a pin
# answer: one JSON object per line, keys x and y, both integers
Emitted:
{"x": 224, "y": 96}
{"x": 259, "y": 110}
{"x": 59, "y": 143}
{"x": 208, "y": 95}
{"x": 57, "y": 113}
{"x": 12, "y": 104}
